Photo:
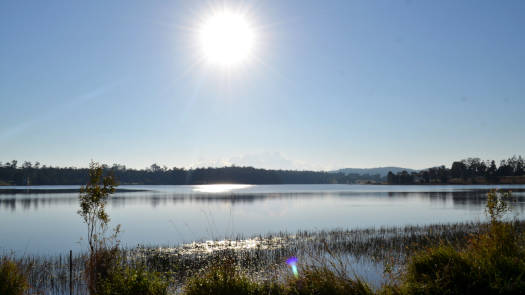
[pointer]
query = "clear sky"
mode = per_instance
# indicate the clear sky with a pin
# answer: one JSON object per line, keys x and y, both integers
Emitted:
{"x": 332, "y": 84}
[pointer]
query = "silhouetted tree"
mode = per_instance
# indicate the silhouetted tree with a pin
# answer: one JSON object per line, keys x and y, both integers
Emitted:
{"x": 492, "y": 172}
{"x": 458, "y": 170}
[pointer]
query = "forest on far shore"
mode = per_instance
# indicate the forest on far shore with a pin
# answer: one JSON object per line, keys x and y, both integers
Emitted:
{"x": 468, "y": 171}
{"x": 35, "y": 174}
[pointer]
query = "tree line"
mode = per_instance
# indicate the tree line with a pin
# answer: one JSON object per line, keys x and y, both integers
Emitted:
{"x": 11, "y": 173}
{"x": 467, "y": 171}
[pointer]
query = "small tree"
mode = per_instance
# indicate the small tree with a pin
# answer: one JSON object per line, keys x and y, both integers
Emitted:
{"x": 102, "y": 249}
{"x": 497, "y": 206}
{"x": 93, "y": 199}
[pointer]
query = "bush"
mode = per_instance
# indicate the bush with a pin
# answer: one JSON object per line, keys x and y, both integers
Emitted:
{"x": 133, "y": 281}
{"x": 100, "y": 266}
{"x": 441, "y": 270}
{"x": 492, "y": 262}
{"x": 223, "y": 280}
{"x": 499, "y": 255}
{"x": 226, "y": 280}
{"x": 322, "y": 280}
{"x": 12, "y": 280}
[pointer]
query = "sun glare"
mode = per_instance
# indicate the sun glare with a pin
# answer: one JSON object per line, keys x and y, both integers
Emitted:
{"x": 219, "y": 188}
{"x": 226, "y": 38}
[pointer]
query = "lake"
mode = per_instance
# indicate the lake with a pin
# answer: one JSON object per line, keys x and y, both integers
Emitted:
{"x": 43, "y": 220}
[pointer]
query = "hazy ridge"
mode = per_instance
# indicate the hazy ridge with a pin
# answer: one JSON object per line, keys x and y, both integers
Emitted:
{"x": 382, "y": 171}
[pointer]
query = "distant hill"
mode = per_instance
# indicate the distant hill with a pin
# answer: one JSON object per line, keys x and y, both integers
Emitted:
{"x": 382, "y": 171}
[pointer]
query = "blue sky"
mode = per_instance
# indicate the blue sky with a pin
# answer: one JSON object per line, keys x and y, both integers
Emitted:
{"x": 335, "y": 84}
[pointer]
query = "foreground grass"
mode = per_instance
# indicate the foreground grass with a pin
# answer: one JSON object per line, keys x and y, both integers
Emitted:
{"x": 226, "y": 280}
{"x": 260, "y": 261}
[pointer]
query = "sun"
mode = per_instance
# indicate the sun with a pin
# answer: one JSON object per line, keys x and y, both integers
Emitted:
{"x": 226, "y": 38}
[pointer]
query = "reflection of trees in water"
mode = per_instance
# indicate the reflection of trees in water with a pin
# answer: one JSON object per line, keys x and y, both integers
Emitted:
{"x": 34, "y": 203}
{"x": 464, "y": 198}
{"x": 27, "y": 203}
{"x": 467, "y": 198}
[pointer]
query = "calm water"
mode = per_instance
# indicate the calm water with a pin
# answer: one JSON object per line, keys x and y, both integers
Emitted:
{"x": 45, "y": 222}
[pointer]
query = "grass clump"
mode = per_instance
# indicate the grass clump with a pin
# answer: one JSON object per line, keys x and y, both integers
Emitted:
{"x": 223, "y": 279}
{"x": 226, "y": 279}
{"x": 132, "y": 280}
{"x": 321, "y": 280}
{"x": 13, "y": 280}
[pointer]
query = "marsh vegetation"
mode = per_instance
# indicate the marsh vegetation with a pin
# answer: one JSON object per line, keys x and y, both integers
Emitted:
{"x": 374, "y": 254}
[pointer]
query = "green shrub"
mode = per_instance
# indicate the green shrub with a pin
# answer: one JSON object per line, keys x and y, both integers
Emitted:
{"x": 499, "y": 255}
{"x": 320, "y": 281}
{"x": 111, "y": 275}
{"x": 224, "y": 280}
{"x": 493, "y": 261}
{"x": 12, "y": 280}
{"x": 441, "y": 270}
{"x": 100, "y": 266}
{"x": 132, "y": 281}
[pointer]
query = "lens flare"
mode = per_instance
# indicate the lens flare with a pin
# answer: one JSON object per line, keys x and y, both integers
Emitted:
{"x": 292, "y": 262}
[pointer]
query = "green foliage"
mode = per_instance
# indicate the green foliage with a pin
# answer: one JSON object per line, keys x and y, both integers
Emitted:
{"x": 126, "y": 280}
{"x": 320, "y": 281}
{"x": 12, "y": 280}
{"x": 110, "y": 275}
{"x": 441, "y": 270}
{"x": 100, "y": 266}
{"x": 497, "y": 206}
{"x": 223, "y": 280}
{"x": 492, "y": 262}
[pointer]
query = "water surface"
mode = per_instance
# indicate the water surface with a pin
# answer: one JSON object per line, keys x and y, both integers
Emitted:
{"x": 43, "y": 219}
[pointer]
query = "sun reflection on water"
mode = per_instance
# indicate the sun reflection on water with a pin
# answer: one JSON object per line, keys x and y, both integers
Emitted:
{"x": 219, "y": 188}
